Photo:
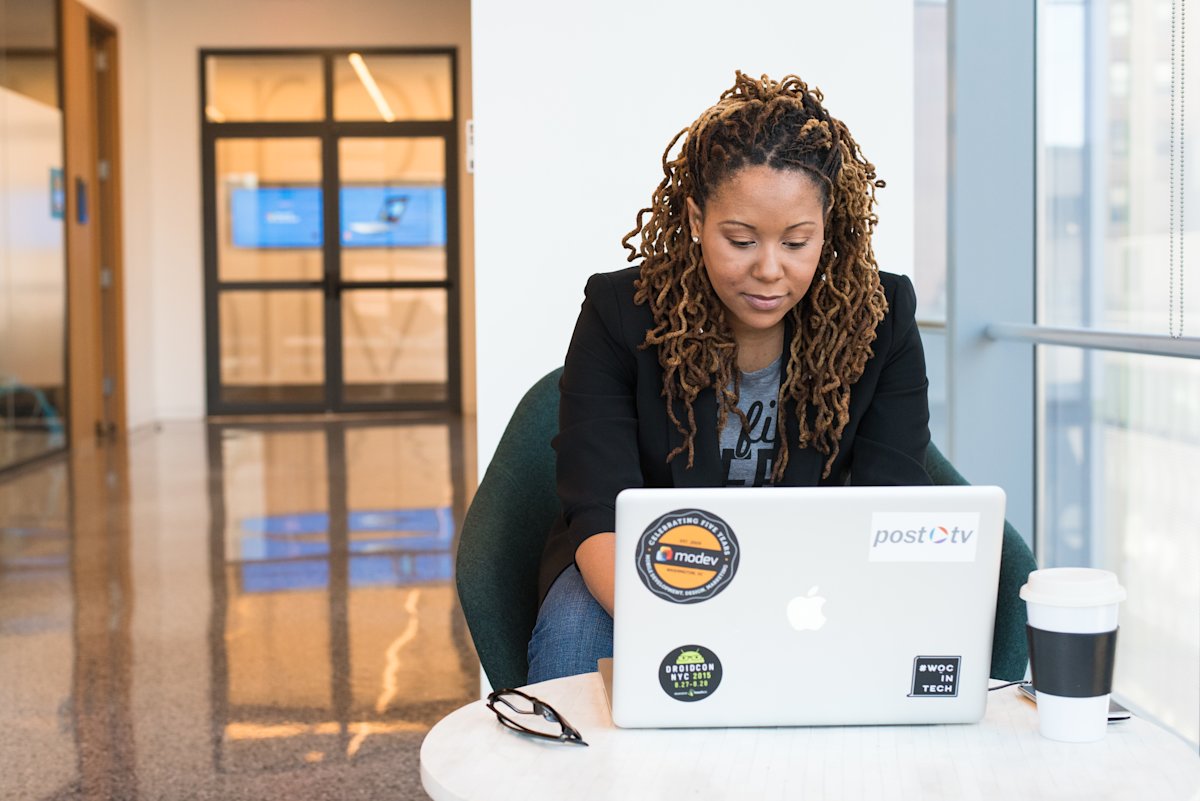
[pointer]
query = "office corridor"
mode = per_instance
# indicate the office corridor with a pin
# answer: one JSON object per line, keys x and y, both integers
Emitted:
{"x": 233, "y": 611}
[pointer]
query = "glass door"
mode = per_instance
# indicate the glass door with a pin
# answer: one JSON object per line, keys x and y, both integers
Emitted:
{"x": 331, "y": 231}
{"x": 393, "y": 265}
{"x": 271, "y": 324}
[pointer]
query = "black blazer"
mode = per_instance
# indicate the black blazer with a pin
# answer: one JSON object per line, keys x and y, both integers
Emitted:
{"x": 614, "y": 432}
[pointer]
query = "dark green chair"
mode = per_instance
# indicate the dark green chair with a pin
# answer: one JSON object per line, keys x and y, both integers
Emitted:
{"x": 1010, "y": 651}
{"x": 507, "y": 523}
{"x": 502, "y": 537}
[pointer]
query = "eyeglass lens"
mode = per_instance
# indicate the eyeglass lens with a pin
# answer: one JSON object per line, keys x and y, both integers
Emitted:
{"x": 533, "y": 715}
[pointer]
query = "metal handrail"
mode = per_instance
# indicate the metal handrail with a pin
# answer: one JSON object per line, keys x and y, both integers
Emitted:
{"x": 1148, "y": 344}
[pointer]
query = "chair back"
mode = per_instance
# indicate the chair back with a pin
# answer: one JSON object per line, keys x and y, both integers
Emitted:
{"x": 505, "y": 529}
{"x": 1010, "y": 650}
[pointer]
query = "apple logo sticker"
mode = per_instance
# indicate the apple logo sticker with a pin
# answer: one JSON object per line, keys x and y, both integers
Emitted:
{"x": 804, "y": 611}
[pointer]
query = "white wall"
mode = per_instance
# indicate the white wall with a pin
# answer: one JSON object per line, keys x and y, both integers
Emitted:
{"x": 573, "y": 108}
{"x": 164, "y": 251}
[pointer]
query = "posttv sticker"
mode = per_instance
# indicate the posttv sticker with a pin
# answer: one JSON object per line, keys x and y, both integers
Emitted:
{"x": 687, "y": 556}
{"x": 919, "y": 537}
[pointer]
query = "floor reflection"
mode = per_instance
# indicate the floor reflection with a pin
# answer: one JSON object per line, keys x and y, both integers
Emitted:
{"x": 232, "y": 611}
{"x": 37, "y": 749}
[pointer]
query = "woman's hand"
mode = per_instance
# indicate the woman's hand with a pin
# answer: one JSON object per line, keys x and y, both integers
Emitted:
{"x": 596, "y": 560}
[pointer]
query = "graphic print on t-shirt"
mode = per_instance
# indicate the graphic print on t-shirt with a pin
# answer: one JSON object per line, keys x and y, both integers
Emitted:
{"x": 748, "y": 463}
{"x": 747, "y": 456}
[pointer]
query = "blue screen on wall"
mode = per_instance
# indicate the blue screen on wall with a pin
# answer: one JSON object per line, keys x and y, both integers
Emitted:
{"x": 276, "y": 217}
{"x": 372, "y": 217}
{"x": 393, "y": 216}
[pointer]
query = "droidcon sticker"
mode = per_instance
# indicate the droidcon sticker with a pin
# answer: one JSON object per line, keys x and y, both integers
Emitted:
{"x": 687, "y": 556}
{"x": 690, "y": 673}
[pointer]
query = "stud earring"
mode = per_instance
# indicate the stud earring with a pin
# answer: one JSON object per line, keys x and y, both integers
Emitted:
{"x": 696, "y": 239}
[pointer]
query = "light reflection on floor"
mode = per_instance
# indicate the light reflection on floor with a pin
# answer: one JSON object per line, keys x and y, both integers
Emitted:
{"x": 233, "y": 612}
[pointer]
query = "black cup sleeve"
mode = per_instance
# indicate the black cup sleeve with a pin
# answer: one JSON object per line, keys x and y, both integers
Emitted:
{"x": 1072, "y": 665}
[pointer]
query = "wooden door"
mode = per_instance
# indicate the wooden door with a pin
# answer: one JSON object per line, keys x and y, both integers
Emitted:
{"x": 95, "y": 313}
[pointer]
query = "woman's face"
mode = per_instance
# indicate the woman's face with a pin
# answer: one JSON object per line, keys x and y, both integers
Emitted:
{"x": 761, "y": 234}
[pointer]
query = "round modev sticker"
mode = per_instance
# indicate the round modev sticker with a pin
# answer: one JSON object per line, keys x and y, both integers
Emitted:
{"x": 690, "y": 673}
{"x": 687, "y": 556}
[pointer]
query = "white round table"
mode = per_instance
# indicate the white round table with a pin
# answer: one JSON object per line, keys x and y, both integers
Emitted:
{"x": 469, "y": 755}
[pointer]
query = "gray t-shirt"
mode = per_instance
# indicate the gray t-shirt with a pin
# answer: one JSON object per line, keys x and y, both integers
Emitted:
{"x": 749, "y": 455}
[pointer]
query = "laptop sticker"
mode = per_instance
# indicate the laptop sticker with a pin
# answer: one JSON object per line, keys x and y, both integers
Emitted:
{"x": 804, "y": 611}
{"x": 690, "y": 673}
{"x": 935, "y": 677}
{"x": 687, "y": 556}
{"x": 918, "y": 537}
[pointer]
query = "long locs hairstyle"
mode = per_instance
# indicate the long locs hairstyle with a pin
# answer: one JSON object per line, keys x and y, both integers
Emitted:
{"x": 783, "y": 125}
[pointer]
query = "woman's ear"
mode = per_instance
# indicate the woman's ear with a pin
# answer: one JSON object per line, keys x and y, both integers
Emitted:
{"x": 695, "y": 218}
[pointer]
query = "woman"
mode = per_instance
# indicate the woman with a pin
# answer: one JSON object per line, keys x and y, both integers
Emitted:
{"x": 755, "y": 343}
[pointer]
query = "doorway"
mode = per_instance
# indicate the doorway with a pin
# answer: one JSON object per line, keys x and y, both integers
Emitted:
{"x": 95, "y": 275}
{"x": 331, "y": 230}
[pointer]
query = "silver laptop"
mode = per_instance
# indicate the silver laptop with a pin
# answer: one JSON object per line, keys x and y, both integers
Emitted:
{"x": 804, "y": 606}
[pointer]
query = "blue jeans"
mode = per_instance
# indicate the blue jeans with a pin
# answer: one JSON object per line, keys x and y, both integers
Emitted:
{"x": 571, "y": 633}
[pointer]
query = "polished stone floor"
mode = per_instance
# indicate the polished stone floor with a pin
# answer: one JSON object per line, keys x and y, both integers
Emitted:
{"x": 247, "y": 611}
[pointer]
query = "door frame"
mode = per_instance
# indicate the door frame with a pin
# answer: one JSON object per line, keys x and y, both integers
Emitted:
{"x": 93, "y": 226}
{"x": 330, "y": 132}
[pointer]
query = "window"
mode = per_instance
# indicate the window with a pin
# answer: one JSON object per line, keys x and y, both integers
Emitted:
{"x": 1119, "y": 433}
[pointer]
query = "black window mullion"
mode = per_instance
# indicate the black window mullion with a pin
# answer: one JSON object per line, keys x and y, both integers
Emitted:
{"x": 398, "y": 129}
{"x": 280, "y": 130}
{"x": 398, "y": 284}
{"x": 327, "y": 68}
{"x": 332, "y": 251}
{"x": 453, "y": 253}
{"x": 212, "y": 312}
{"x": 264, "y": 130}
{"x": 267, "y": 286}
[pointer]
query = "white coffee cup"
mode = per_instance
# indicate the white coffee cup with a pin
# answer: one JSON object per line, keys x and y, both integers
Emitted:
{"x": 1072, "y": 635}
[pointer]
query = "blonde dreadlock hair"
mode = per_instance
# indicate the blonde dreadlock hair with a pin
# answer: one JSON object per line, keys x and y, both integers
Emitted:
{"x": 780, "y": 124}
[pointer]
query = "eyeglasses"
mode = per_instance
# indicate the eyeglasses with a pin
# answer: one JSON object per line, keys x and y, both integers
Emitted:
{"x": 541, "y": 719}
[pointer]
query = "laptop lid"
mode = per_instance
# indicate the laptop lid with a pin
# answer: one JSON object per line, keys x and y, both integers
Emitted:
{"x": 804, "y": 606}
